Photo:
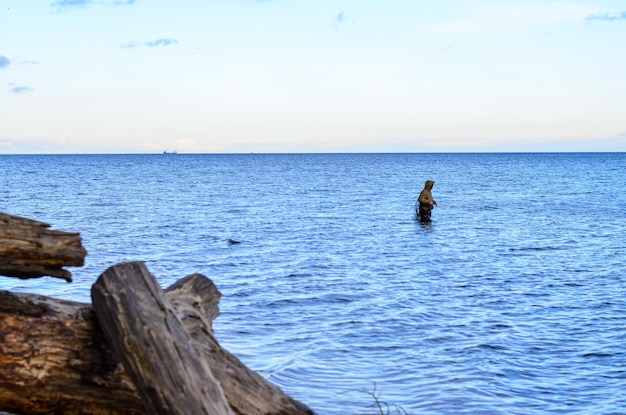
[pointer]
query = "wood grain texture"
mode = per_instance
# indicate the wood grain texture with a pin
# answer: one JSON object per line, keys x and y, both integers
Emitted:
{"x": 29, "y": 249}
{"x": 54, "y": 360}
{"x": 153, "y": 345}
{"x": 195, "y": 299}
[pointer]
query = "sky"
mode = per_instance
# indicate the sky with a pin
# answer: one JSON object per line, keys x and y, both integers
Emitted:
{"x": 299, "y": 76}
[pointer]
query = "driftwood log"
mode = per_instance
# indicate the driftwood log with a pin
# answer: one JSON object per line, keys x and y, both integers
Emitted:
{"x": 154, "y": 346}
{"x": 195, "y": 299}
{"x": 54, "y": 358}
{"x": 28, "y": 249}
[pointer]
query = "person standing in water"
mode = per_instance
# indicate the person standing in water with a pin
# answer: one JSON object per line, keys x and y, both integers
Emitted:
{"x": 426, "y": 202}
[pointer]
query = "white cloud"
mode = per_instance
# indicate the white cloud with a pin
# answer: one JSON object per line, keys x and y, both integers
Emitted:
{"x": 74, "y": 4}
{"x": 161, "y": 42}
{"x": 151, "y": 44}
{"x": 607, "y": 17}
{"x": 18, "y": 89}
{"x": 63, "y": 4}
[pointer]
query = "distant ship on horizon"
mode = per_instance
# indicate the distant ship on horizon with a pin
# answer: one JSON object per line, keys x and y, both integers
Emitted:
{"x": 170, "y": 152}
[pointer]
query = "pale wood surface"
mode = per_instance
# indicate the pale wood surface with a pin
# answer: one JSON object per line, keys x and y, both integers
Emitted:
{"x": 195, "y": 299}
{"x": 153, "y": 345}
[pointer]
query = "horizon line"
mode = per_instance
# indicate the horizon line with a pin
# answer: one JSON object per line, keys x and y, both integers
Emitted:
{"x": 175, "y": 153}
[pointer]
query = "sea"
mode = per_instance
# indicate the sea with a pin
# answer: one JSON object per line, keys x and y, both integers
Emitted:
{"x": 512, "y": 300}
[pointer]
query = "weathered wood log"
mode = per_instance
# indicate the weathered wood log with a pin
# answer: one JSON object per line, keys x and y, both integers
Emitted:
{"x": 54, "y": 359}
{"x": 195, "y": 299}
{"x": 156, "y": 350}
{"x": 28, "y": 249}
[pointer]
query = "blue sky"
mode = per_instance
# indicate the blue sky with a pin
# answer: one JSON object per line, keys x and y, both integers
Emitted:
{"x": 204, "y": 76}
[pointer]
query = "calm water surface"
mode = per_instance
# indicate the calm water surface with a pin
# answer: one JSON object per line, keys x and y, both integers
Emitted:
{"x": 512, "y": 301}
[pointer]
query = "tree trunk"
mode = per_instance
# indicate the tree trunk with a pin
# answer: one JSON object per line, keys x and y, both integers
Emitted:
{"x": 28, "y": 249}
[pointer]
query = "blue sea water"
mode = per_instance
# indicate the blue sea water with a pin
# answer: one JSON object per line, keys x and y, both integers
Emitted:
{"x": 512, "y": 301}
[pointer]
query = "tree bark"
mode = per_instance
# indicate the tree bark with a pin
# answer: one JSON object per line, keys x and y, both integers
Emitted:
{"x": 55, "y": 360}
{"x": 28, "y": 249}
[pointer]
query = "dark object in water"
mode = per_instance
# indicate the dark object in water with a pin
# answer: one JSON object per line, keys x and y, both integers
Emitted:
{"x": 233, "y": 242}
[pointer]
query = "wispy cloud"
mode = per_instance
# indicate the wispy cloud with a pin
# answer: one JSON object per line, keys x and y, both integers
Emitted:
{"x": 606, "y": 17}
{"x": 129, "y": 45}
{"x": 18, "y": 89}
{"x": 68, "y": 4}
{"x": 161, "y": 42}
{"x": 166, "y": 41}
{"x": 76, "y": 4}
{"x": 27, "y": 62}
{"x": 340, "y": 19}
{"x": 4, "y": 62}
